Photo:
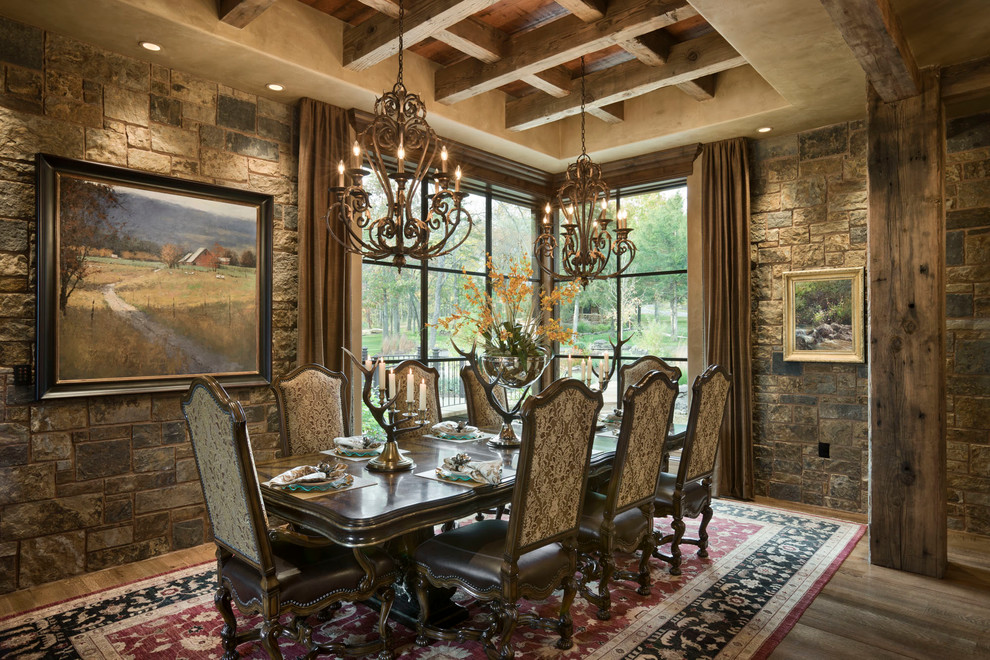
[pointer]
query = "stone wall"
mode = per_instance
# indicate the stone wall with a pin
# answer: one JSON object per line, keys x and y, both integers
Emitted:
{"x": 808, "y": 211}
{"x": 89, "y": 483}
{"x": 967, "y": 192}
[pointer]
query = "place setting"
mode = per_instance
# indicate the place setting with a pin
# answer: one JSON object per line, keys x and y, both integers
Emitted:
{"x": 463, "y": 470}
{"x": 457, "y": 432}
{"x": 307, "y": 481}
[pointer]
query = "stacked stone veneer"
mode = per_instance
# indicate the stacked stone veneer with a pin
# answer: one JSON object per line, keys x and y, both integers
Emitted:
{"x": 93, "y": 482}
{"x": 967, "y": 192}
{"x": 808, "y": 211}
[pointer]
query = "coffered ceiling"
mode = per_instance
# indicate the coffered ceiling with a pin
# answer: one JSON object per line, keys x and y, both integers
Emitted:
{"x": 504, "y": 75}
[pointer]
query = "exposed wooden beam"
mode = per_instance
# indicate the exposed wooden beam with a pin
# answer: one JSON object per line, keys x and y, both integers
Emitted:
{"x": 688, "y": 61}
{"x": 559, "y": 42}
{"x": 610, "y": 114}
{"x": 241, "y": 12}
{"x": 586, "y": 10}
{"x": 377, "y": 39}
{"x": 556, "y": 81}
{"x": 651, "y": 49}
{"x": 700, "y": 89}
{"x": 906, "y": 249}
{"x": 961, "y": 82}
{"x": 872, "y": 31}
{"x": 471, "y": 36}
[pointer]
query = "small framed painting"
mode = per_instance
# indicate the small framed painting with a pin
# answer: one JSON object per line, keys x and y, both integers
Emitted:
{"x": 146, "y": 281}
{"x": 823, "y": 315}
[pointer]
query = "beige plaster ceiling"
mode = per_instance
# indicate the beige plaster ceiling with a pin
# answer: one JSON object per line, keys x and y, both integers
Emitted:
{"x": 800, "y": 75}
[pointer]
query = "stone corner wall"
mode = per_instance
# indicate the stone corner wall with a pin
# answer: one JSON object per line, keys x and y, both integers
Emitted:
{"x": 94, "y": 482}
{"x": 808, "y": 201}
{"x": 967, "y": 244}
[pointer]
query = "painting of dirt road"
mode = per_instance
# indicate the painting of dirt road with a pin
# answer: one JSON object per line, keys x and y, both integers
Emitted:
{"x": 152, "y": 284}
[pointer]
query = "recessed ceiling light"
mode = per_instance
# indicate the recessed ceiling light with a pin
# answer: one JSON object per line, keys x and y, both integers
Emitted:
{"x": 150, "y": 45}
{"x": 764, "y": 129}
{"x": 275, "y": 87}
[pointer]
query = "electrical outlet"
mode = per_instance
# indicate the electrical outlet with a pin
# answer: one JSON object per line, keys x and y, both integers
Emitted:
{"x": 823, "y": 449}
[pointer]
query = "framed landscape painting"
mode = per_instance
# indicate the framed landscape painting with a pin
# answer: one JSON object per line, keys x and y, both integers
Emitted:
{"x": 145, "y": 281}
{"x": 823, "y": 315}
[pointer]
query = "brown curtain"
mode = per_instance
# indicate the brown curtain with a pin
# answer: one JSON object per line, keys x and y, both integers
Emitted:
{"x": 726, "y": 267}
{"x": 323, "y": 315}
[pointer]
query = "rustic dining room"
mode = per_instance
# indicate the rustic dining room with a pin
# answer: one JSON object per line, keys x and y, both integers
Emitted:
{"x": 495, "y": 329}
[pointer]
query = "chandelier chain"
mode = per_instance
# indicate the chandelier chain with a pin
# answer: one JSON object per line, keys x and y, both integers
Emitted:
{"x": 402, "y": 15}
{"x": 583, "y": 150}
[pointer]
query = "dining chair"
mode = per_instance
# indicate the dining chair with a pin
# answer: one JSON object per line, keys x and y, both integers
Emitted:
{"x": 479, "y": 411}
{"x": 272, "y": 572}
{"x": 534, "y": 552}
{"x": 632, "y": 373}
{"x": 432, "y": 377}
{"x": 621, "y": 519}
{"x": 689, "y": 491}
{"x": 312, "y": 408}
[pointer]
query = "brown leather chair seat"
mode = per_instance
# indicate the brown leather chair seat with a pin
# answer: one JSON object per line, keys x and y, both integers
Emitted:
{"x": 474, "y": 554}
{"x": 629, "y": 525}
{"x": 695, "y": 494}
{"x": 306, "y": 575}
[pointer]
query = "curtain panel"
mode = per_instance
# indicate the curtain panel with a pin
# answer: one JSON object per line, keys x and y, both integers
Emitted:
{"x": 726, "y": 286}
{"x": 324, "y": 273}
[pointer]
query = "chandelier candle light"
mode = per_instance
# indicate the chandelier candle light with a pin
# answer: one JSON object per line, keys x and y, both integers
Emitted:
{"x": 398, "y": 131}
{"x": 587, "y": 244}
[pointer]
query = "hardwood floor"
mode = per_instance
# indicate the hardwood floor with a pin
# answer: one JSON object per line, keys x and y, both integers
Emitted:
{"x": 863, "y": 612}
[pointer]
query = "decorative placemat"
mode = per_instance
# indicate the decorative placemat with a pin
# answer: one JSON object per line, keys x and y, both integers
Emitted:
{"x": 359, "y": 482}
{"x": 356, "y": 459}
{"x": 432, "y": 474}
{"x": 480, "y": 435}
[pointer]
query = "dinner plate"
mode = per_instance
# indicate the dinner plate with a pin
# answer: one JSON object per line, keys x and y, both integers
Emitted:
{"x": 314, "y": 487}
{"x": 454, "y": 476}
{"x": 477, "y": 435}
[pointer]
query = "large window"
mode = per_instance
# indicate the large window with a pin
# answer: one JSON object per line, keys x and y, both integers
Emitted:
{"x": 648, "y": 302}
{"x": 399, "y": 310}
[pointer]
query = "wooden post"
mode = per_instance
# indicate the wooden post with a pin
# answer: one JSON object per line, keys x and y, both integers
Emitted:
{"x": 908, "y": 497}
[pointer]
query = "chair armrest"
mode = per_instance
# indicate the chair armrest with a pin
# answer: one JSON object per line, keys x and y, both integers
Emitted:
{"x": 305, "y": 540}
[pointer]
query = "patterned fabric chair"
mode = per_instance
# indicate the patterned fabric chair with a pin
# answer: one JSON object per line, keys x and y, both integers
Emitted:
{"x": 480, "y": 412}
{"x": 622, "y": 518}
{"x": 272, "y": 572}
{"x": 630, "y": 374}
{"x": 533, "y": 553}
{"x": 689, "y": 492}
{"x": 420, "y": 371}
{"x": 312, "y": 408}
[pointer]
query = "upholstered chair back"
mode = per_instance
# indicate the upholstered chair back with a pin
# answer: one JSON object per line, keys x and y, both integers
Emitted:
{"x": 552, "y": 473}
{"x": 711, "y": 392}
{"x": 648, "y": 408}
{"x": 420, "y": 371}
{"x": 313, "y": 410}
{"x": 219, "y": 438}
{"x": 630, "y": 374}
{"x": 480, "y": 412}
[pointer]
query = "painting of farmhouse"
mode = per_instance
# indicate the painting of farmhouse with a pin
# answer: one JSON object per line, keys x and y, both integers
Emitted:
{"x": 152, "y": 283}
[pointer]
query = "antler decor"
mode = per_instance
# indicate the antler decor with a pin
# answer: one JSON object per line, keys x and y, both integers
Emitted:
{"x": 390, "y": 460}
{"x": 507, "y": 436}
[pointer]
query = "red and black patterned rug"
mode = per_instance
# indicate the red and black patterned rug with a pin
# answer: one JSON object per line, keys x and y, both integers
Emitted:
{"x": 765, "y": 566}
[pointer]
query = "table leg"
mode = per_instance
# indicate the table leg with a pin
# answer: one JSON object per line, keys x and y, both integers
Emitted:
{"x": 444, "y": 612}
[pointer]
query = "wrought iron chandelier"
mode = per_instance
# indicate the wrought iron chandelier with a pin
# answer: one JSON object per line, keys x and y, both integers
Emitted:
{"x": 587, "y": 244}
{"x": 398, "y": 131}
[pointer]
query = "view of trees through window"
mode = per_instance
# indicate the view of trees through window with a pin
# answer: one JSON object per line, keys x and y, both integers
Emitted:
{"x": 648, "y": 302}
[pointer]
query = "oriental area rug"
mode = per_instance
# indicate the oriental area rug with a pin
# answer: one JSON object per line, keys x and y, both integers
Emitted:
{"x": 764, "y": 568}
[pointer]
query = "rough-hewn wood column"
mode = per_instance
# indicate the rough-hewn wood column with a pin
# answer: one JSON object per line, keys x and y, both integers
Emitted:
{"x": 907, "y": 331}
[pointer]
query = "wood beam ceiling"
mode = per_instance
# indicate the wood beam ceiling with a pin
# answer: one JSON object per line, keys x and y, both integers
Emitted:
{"x": 610, "y": 114}
{"x": 241, "y": 12}
{"x": 377, "y": 39}
{"x": 874, "y": 34}
{"x": 688, "y": 62}
{"x": 554, "y": 44}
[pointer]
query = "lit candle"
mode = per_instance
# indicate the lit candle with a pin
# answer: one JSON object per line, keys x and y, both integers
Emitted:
{"x": 381, "y": 373}
{"x": 591, "y": 370}
{"x": 457, "y": 179}
{"x": 604, "y": 208}
{"x": 356, "y": 152}
{"x": 547, "y": 209}
{"x": 443, "y": 159}
{"x": 422, "y": 394}
{"x": 340, "y": 174}
{"x": 400, "y": 156}
{"x": 570, "y": 210}
{"x": 367, "y": 365}
{"x": 584, "y": 372}
{"x": 605, "y": 363}
{"x": 409, "y": 387}
{"x": 622, "y": 218}
{"x": 391, "y": 382}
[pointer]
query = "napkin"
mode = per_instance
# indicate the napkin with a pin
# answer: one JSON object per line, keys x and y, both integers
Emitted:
{"x": 356, "y": 443}
{"x": 335, "y": 473}
{"x": 454, "y": 428}
{"x": 483, "y": 472}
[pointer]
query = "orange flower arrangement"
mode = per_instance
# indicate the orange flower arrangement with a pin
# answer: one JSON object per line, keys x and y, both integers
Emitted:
{"x": 512, "y": 320}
